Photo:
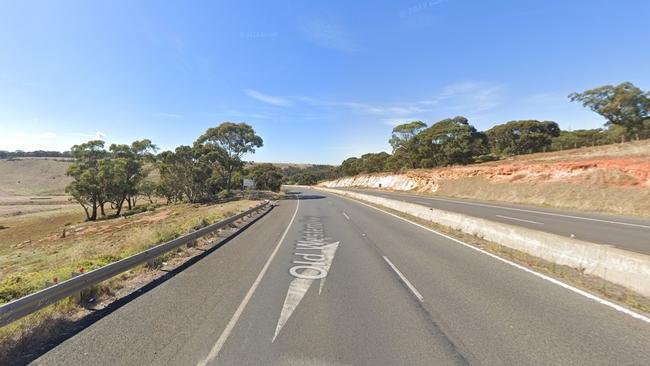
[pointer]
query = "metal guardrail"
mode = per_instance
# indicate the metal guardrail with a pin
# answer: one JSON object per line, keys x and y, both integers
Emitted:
{"x": 19, "y": 308}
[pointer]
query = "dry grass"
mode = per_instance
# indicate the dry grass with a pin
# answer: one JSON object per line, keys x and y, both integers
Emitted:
{"x": 20, "y": 205}
{"x": 612, "y": 179}
{"x": 628, "y": 149}
{"x": 34, "y": 248}
{"x": 28, "y": 258}
{"x": 594, "y": 198}
{"x": 30, "y": 177}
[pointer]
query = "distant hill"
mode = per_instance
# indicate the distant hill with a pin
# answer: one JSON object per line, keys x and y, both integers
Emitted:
{"x": 286, "y": 165}
{"x": 33, "y": 176}
{"x": 30, "y": 176}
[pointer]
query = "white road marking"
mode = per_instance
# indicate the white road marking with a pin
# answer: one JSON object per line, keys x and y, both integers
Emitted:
{"x": 329, "y": 257}
{"x": 233, "y": 321}
{"x": 514, "y": 218}
{"x": 566, "y": 286}
{"x": 405, "y": 280}
{"x": 346, "y": 216}
{"x": 530, "y": 211}
{"x": 299, "y": 286}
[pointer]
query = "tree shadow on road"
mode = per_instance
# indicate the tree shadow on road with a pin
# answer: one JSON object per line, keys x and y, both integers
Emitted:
{"x": 299, "y": 195}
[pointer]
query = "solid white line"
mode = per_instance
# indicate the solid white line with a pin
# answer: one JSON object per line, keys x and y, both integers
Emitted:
{"x": 514, "y": 218}
{"x": 405, "y": 280}
{"x": 578, "y": 291}
{"x": 346, "y": 216}
{"x": 233, "y": 321}
{"x": 523, "y": 210}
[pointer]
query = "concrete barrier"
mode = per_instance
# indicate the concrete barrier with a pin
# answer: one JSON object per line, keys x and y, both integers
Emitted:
{"x": 628, "y": 269}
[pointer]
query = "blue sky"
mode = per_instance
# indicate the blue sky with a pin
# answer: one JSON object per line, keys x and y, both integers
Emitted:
{"x": 320, "y": 81}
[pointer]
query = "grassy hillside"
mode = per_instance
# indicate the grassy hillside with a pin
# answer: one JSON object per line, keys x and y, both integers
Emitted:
{"x": 33, "y": 177}
{"x": 46, "y": 176}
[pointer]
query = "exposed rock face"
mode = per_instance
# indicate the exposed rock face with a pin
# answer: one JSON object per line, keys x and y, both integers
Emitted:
{"x": 628, "y": 173}
{"x": 612, "y": 178}
{"x": 401, "y": 182}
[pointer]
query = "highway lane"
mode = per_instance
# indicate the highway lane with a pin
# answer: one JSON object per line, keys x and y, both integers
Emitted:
{"x": 328, "y": 281}
{"x": 629, "y": 233}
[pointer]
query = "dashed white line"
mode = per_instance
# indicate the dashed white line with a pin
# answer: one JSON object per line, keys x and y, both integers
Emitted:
{"x": 405, "y": 280}
{"x": 576, "y": 290}
{"x": 233, "y": 321}
{"x": 346, "y": 216}
{"x": 516, "y": 219}
{"x": 530, "y": 211}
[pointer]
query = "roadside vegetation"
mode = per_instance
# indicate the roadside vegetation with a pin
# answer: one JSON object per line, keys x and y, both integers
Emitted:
{"x": 454, "y": 141}
{"x": 309, "y": 175}
{"x": 151, "y": 194}
{"x": 203, "y": 172}
{"x": 48, "y": 247}
{"x": 54, "y": 245}
{"x": 127, "y": 198}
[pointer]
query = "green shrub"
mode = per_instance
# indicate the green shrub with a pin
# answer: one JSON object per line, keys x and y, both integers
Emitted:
{"x": 16, "y": 286}
{"x": 135, "y": 210}
{"x": 486, "y": 157}
{"x": 225, "y": 194}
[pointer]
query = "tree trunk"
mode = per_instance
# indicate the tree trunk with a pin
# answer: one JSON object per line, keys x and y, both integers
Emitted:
{"x": 93, "y": 216}
{"x": 87, "y": 213}
{"x": 101, "y": 208}
{"x": 128, "y": 200}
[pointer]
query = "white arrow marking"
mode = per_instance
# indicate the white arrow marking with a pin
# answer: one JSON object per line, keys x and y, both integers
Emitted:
{"x": 299, "y": 286}
{"x": 328, "y": 251}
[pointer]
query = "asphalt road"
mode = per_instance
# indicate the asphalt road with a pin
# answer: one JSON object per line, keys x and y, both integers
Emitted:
{"x": 327, "y": 281}
{"x": 627, "y": 233}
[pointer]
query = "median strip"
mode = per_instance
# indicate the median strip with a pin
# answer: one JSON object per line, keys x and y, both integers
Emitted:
{"x": 577, "y": 274}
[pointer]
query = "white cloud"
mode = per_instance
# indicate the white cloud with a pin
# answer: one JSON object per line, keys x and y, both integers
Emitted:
{"x": 469, "y": 97}
{"x": 329, "y": 35}
{"x": 365, "y": 108}
{"x": 99, "y": 135}
{"x": 277, "y": 101}
{"x": 466, "y": 98}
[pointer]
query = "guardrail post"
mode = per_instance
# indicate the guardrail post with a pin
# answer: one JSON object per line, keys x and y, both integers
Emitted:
{"x": 76, "y": 296}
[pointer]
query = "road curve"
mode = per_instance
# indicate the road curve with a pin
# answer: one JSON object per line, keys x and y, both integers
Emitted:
{"x": 325, "y": 280}
{"x": 628, "y": 233}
